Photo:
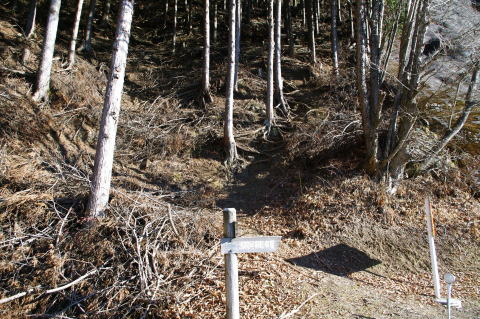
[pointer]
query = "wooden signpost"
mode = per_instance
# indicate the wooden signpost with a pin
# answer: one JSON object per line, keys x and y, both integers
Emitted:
{"x": 230, "y": 246}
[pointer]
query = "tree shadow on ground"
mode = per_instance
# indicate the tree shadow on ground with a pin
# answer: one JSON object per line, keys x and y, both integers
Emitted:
{"x": 340, "y": 260}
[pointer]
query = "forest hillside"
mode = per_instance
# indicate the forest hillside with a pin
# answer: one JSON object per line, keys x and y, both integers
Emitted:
{"x": 330, "y": 129}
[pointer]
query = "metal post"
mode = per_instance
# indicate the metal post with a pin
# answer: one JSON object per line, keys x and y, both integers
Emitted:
{"x": 231, "y": 265}
{"x": 431, "y": 244}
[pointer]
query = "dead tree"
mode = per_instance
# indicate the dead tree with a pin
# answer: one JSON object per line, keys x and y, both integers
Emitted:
{"x": 102, "y": 171}
{"x": 42, "y": 84}
{"x": 73, "y": 41}
{"x": 228, "y": 137}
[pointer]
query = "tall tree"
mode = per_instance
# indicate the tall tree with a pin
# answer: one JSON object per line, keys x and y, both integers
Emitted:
{"x": 42, "y": 84}
{"x": 279, "y": 97}
{"x": 271, "y": 49}
{"x": 102, "y": 171}
{"x": 289, "y": 27}
{"x": 89, "y": 28}
{"x": 333, "y": 6}
{"x": 205, "y": 94}
{"x": 73, "y": 41}
{"x": 228, "y": 137}
{"x": 215, "y": 20}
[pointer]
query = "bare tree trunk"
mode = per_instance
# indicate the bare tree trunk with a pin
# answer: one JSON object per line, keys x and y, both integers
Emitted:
{"x": 352, "y": 23}
{"x": 278, "y": 81}
{"x": 32, "y": 14}
{"x": 215, "y": 22}
{"x": 165, "y": 14}
{"x": 375, "y": 39}
{"x": 311, "y": 31}
{"x": 290, "y": 39}
{"x": 304, "y": 12}
{"x": 339, "y": 11}
{"x": 106, "y": 11}
{"x": 102, "y": 172}
{"x": 334, "y": 36}
{"x": 73, "y": 42}
{"x": 88, "y": 31}
{"x": 205, "y": 95}
{"x": 238, "y": 23}
{"x": 189, "y": 16}
{"x": 228, "y": 138}
{"x": 271, "y": 48}
{"x": 316, "y": 27}
{"x": 370, "y": 134}
{"x": 43, "y": 74}
{"x": 469, "y": 104}
{"x": 174, "y": 31}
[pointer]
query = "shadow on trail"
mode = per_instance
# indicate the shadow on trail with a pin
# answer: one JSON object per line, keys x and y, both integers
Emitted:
{"x": 340, "y": 260}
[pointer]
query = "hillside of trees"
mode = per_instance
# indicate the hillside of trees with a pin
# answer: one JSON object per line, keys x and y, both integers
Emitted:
{"x": 127, "y": 126}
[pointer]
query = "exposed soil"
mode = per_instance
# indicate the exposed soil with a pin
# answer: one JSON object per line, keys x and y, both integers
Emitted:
{"x": 348, "y": 250}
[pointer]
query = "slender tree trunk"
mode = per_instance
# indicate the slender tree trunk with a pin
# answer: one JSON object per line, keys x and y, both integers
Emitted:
{"x": 370, "y": 134}
{"x": 339, "y": 11}
{"x": 32, "y": 14}
{"x": 238, "y": 24}
{"x": 102, "y": 172}
{"x": 271, "y": 48}
{"x": 44, "y": 71}
{"x": 165, "y": 14}
{"x": 205, "y": 95}
{"x": 469, "y": 104}
{"x": 73, "y": 42}
{"x": 333, "y": 8}
{"x": 106, "y": 11}
{"x": 315, "y": 18}
{"x": 215, "y": 22}
{"x": 311, "y": 32}
{"x": 228, "y": 138}
{"x": 375, "y": 39}
{"x": 290, "y": 39}
{"x": 352, "y": 23}
{"x": 278, "y": 81}
{"x": 88, "y": 31}
{"x": 174, "y": 31}
{"x": 304, "y": 12}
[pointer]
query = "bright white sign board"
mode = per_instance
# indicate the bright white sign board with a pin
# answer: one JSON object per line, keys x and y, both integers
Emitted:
{"x": 239, "y": 245}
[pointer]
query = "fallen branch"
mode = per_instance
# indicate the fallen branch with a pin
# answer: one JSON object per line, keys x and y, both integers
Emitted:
{"x": 294, "y": 311}
{"x": 48, "y": 291}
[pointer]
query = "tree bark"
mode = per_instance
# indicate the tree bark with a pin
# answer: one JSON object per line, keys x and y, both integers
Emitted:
{"x": 32, "y": 14}
{"x": 271, "y": 48}
{"x": 228, "y": 138}
{"x": 278, "y": 81}
{"x": 205, "y": 95}
{"x": 215, "y": 22}
{"x": 44, "y": 71}
{"x": 174, "y": 30}
{"x": 88, "y": 31}
{"x": 106, "y": 11}
{"x": 238, "y": 23}
{"x": 102, "y": 172}
{"x": 290, "y": 39}
{"x": 73, "y": 41}
{"x": 311, "y": 31}
{"x": 334, "y": 36}
{"x": 370, "y": 134}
